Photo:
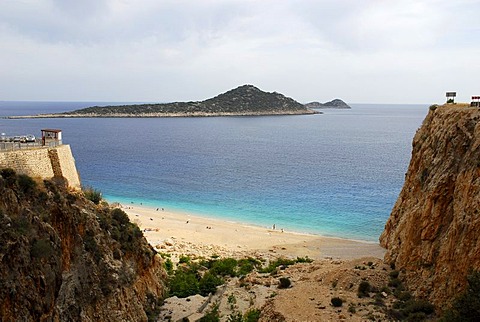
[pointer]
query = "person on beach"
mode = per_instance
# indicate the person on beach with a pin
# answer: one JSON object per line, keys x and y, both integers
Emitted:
{"x": 273, "y": 226}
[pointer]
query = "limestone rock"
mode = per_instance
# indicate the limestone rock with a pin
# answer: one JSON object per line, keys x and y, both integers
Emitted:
{"x": 432, "y": 233}
{"x": 62, "y": 258}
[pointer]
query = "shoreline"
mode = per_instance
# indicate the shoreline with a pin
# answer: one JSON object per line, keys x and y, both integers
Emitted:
{"x": 195, "y": 234}
{"x": 163, "y": 115}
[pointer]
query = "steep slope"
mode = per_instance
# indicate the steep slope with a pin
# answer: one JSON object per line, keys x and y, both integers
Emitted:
{"x": 62, "y": 258}
{"x": 243, "y": 100}
{"x": 433, "y": 231}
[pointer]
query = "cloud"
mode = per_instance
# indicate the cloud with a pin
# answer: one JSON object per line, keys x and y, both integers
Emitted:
{"x": 186, "y": 50}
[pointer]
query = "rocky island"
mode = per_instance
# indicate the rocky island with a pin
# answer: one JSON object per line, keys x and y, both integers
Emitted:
{"x": 336, "y": 103}
{"x": 246, "y": 100}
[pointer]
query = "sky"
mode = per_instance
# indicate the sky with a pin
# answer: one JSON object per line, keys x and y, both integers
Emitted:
{"x": 369, "y": 51}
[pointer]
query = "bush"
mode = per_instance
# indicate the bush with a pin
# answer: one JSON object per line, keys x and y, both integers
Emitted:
{"x": 284, "y": 282}
{"x": 10, "y": 176}
{"x": 93, "y": 195}
{"x": 272, "y": 266}
{"x": 246, "y": 265}
{"x": 184, "y": 259}
{"x": 211, "y": 316}
{"x": 25, "y": 183}
{"x": 208, "y": 284}
{"x": 224, "y": 267}
{"x": 152, "y": 309}
{"x": 417, "y": 306}
{"x": 252, "y": 315}
{"x": 336, "y": 301}
{"x": 433, "y": 107}
{"x": 120, "y": 216}
{"x": 394, "y": 274}
{"x": 168, "y": 265}
{"x": 184, "y": 284}
{"x": 363, "y": 289}
{"x": 41, "y": 249}
{"x": 394, "y": 282}
{"x": 466, "y": 306}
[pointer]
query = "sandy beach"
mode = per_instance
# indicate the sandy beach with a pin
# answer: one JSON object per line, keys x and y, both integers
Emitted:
{"x": 201, "y": 236}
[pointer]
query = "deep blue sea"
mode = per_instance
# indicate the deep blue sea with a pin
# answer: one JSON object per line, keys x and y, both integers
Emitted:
{"x": 334, "y": 174}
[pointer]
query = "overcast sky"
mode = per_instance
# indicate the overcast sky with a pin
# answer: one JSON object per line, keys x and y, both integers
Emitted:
{"x": 368, "y": 51}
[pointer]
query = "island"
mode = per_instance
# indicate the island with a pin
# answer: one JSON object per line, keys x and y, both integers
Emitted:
{"x": 336, "y": 103}
{"x": 246, "y": 100}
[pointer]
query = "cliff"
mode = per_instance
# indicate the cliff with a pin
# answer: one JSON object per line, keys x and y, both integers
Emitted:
{"x": 243, "y": 100}
{"x": 63, "y": 258}
{"x": 432, "y": 233}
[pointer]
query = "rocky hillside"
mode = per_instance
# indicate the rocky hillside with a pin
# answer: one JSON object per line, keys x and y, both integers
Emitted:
{"x": 243, "y": 100}
{"x": 63, "y": 258}
{"x": 336, "y": 103}
{"x": 433, "y": 231}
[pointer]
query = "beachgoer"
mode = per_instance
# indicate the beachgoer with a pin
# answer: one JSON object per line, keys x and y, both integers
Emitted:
{"x": 273, "y": 226}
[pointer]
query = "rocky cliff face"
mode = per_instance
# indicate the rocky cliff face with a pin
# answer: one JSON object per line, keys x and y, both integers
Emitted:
{"x": 62, "y": 258}
{"x": 433, "y": 231}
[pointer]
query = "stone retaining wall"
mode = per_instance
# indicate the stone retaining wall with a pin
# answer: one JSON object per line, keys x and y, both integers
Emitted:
{"x": 44, "y": 163}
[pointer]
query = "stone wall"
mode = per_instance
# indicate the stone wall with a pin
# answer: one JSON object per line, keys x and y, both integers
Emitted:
{"x": 44, "y": 163}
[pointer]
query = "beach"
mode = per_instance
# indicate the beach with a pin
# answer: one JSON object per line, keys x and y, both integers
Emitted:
{"x": 191, "y": 234}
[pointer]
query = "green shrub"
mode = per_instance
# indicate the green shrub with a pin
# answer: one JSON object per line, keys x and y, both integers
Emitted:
{"x": 26, "y": 184}
{"x": 93, "y": 195}
{"x": 246, "y": 265}
{"x": 252, "y": 315}
{"x": 235, "y": 317}
{"x": 168, "y": 265}
{"x": 120, "y": 216}
{"x": 336, "y": 301}
{"x": 466, "y": 307}
{"x": 184, "y": 259}
{"x": 416, "y": 306}
{"x": 224, "y": 267}
{"x": 152, "y": 309}
{"x": 352, "y": 308}
{"x": 10, "y": 176}
{"x": 394, "y": 282}
{"x": 394, "y": 274}
{"x": 433, "y": 107}
{"x": 208, "y": 284}
{"x": 284, "y": 282}
{"x": 41, "y": 248}
{"x": 363, "y": 289}
{"x": 305, "y": 259}
{"x": 184, "y": 284}
{"x": 91, "y": 246}
{"x": 272, "y": 266}
{"x": 211, "y": 316}
{"x": 21, "y": 225}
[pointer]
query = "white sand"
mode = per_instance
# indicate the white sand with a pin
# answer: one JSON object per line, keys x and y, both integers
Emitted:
{"x": 165, "y": 225}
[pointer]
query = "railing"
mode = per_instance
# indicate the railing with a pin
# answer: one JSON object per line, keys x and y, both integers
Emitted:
{"x": 11, "y": 146}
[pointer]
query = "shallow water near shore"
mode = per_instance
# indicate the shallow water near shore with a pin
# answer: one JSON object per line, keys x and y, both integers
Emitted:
{"x": 334, "y": 174}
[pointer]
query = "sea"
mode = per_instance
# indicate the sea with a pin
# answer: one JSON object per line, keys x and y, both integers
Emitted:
{"x": 333, "y": 174}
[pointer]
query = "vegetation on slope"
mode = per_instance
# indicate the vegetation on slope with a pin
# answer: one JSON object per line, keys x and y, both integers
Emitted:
{"x": 63, "y": 257}
{"x": 243, "y": 100}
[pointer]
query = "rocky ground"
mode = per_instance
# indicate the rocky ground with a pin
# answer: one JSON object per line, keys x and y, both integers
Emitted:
{"x": 308, "y": 298}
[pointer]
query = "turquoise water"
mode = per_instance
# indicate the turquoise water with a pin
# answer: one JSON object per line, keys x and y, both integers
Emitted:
{"x": 335, "y": 174}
